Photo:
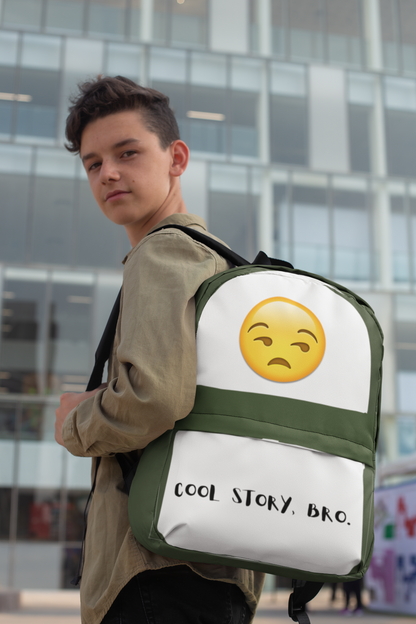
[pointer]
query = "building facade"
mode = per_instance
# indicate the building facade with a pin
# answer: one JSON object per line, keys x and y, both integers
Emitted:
{"x": 301, "y": 119}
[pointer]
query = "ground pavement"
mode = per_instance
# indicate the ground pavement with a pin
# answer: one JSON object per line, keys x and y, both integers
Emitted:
{"x": 62, "y": 607}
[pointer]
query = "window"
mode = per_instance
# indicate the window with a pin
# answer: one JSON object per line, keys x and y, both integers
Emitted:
{"x": 255, "y": 8}
{"x": 288, "y": 115}
{"x": 343, "y": 23}
{"x": 407, "y": 16}
{"x": 233, "y": 209}
{"x": 212, "y": 117}
{"x": 181, "y": 23}
{"x": 100, "y": 243}
{"x": 38, "y": 514}
{"x": 22, "y": 331}
{"x": 360, "y": 119}
{"x": 15, "y": 190}
{"x": 8, "y": 87}
{"x": 279, "y": 32}
{"x": 53, "y": 220}
{"x": 400, "y": 115}
{"x": 70, "y": 328}
{"x": 351, "y": 231}
{"x": 38, "y": 87}
{"x": 65, "y": 15}
{"x": 22, "y": 13}
{"x": 282, "y": 234}
{"x": 107, "y": 17}
{"x": 389, "y": 33}
{"x": 405, "y": 330}
{"x": 399, "y": 238}
{"x": 306, "y": 28}
{"x": 311, "y": 229}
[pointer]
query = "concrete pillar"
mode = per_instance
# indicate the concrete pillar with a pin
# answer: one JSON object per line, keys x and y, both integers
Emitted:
{"x": 264, "y": 19}
{"x": 146, "y": 23}
{"x": 372, "y": 35}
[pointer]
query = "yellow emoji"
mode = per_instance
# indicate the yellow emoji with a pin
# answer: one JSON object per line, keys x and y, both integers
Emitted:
{"x": 282, "y": 340}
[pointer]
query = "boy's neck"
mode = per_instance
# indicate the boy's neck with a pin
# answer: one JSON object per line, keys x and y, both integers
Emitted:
{"x": 173, "y": 204}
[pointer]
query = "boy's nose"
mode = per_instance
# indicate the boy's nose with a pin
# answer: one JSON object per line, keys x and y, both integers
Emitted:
{"x": 109, "y": 172}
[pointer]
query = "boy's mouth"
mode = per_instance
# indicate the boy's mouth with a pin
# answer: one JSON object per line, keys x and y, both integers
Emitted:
{"x": 115, "y": 194}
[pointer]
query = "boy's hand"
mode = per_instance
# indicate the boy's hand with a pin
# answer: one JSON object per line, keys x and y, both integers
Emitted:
{"x": 69, "y": 400}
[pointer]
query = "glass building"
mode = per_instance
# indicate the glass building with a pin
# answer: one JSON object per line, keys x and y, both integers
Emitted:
{"x": 301, "y": 119}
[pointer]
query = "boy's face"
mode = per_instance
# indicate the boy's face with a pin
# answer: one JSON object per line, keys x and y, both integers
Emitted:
{"x": 134, "y": 181}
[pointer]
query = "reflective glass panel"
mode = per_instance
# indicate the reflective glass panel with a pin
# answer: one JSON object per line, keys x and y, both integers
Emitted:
{"x": 53, "y": 220}
{"x": 360, "y": 137}
{"x": 311, "y": 229}
{"x": 254, "y": 8}
{"x": 7, "y": 94}
{"x": 8, "y": 47}
{"x": 168, "y": 65}
{"x": 189, "y": 22}
{"x": 22, "y": 338}
{"x": 7, "y": 419}
{"x": 65, "y": 15}
{"x": 279, "y": 32}
{"x": 5, "y": 505}
{"x": 15, "y": 191}
{"x": 207, "y": 119}
{"x": 399, "y": 239}
{"x": 135, "y": 19}
{"x": 37, "y": 114}
{"x": 401, "y": 142}
{"x": 407, "y": 16}
{"x": 233, "y": 218}
{"x": 351, "y": 235}
{"x": 22, "y": 13}
{"x": 41, "y": 52}
{"x": 306, "y": 21}
{"x": 161, "y": 21}
{"x": 38, "y": 515}
{"x": 107, "y": 16}
{"x": 208, "y": 69}
{"x": 343, "y": 22}
{"x": 400, "y": 119}
{"x": 406, "y": 432}
{"x": 244, "y": 115}
{"x": 288, "y": 130}
{"x": 389, "y": 32}
{"x": 282, "y": 221}
{"x": 124, "y": 60}
{"x": 70, "y": 329}
{"x": 98, "y": 240}
{"x": 412, "y": 214}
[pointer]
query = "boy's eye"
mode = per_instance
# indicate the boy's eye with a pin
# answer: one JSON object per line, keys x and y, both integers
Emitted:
{"x": 128, "y": 153}
{"x": 93, "y": 166}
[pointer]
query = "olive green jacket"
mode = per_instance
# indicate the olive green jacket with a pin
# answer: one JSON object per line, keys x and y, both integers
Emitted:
{"x": 151, "y": 384}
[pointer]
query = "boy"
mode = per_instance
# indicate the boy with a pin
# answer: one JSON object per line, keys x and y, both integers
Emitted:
{"x": 129, "y": 143}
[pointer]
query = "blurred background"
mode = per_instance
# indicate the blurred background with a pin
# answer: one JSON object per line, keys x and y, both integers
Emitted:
{"x": 301, "y": 119}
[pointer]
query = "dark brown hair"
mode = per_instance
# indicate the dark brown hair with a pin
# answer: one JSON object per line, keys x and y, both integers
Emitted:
{"x": 107, "y": 95}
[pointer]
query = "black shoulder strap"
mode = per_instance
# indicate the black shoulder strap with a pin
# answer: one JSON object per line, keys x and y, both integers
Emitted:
{"x": 303, "y": 592}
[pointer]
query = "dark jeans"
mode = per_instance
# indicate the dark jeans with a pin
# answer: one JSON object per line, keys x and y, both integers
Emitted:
{"x": 177, "y": 595}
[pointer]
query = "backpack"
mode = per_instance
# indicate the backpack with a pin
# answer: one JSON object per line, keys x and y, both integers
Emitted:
{"x": 273, "y": 470}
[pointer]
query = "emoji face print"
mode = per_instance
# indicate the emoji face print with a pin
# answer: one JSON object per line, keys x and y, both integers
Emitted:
{"x": 282, "y": 340}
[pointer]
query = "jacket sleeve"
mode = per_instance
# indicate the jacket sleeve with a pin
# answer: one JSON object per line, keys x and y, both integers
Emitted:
{"x": 156, "y": 355}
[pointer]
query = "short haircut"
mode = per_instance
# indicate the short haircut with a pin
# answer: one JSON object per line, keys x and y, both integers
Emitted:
{"x": 107, "y": 95}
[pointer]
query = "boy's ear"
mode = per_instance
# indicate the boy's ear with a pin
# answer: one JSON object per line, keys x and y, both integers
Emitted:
{"x": 180, "y": 158}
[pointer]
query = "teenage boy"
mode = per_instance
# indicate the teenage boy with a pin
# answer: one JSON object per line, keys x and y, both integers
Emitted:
{"x": 129, "y": 143}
